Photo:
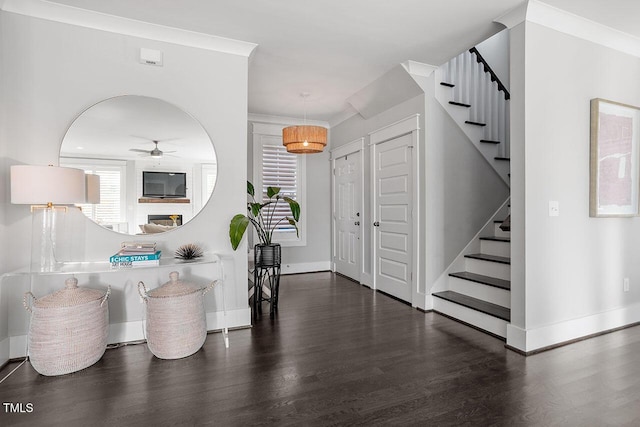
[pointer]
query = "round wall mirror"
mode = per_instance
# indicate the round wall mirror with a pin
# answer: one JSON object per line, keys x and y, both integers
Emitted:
{"x": 157, "y": 165}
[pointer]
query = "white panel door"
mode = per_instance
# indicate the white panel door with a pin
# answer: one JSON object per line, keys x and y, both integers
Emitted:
{"x": 392, "y": 200}
{"x": 347, "y": 213}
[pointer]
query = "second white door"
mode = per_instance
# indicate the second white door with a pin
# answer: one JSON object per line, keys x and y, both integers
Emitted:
{"x": 392, "y": 216}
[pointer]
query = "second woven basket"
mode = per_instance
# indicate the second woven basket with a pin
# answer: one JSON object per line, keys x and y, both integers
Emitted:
{"x": 176, "y": 322}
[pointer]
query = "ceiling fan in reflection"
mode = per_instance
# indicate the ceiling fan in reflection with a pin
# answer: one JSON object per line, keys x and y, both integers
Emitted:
{"x": 156, "y": 153}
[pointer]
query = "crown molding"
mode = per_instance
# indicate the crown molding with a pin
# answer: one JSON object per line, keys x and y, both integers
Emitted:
{"x": 65, "y": 14}
{"x": 515, "y": 16}
{"x": 285, "y": 121}
{"x": 565, "y": 22}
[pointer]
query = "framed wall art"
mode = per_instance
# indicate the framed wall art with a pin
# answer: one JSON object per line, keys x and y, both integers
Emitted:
{"x": 615, "y": 140}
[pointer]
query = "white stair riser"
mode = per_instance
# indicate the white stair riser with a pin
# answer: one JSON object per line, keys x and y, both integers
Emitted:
{"x": 492, "y": 247}
{"x": 480, "y": 320}
{"x": 498, "y": 231}
{"x": 480, "y": 291}
{"x": 487, "y": 268}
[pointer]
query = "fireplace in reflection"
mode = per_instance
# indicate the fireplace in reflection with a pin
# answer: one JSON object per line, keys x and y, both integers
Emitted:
{"x": 175, "y": 220}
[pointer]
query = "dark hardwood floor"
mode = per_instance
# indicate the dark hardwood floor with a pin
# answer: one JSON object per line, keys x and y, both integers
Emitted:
{"x": 340, "y": 354}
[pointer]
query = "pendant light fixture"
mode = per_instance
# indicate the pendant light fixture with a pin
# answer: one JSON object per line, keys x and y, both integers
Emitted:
{"x": 304, "y": 139}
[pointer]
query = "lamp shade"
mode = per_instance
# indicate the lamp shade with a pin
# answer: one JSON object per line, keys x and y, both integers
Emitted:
{"x": 92, "y": 189}
{"x": 34, "y": 185}
{"x": 304, "y": 139}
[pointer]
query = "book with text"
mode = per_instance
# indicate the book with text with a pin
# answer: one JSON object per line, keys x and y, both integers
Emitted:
{"x": 119, "y": 257}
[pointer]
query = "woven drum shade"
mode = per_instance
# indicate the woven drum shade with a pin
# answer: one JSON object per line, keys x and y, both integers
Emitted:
{"x": 304, "y": 139}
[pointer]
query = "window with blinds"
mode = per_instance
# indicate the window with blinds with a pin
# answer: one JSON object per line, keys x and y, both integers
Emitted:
{"x": 111, "y": 208}
{"x": 280, "y": 169}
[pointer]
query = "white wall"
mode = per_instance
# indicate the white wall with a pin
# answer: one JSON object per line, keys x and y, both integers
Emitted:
{"x": 574, "y": 265}
{"x": 52, "y": 72}
{"x": 495, "y": 50}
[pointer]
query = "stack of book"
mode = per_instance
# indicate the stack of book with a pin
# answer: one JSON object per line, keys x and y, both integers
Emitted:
{"x": 136, "y": 254}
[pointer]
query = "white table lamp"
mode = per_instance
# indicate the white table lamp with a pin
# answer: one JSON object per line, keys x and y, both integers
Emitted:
{"x": 43, "y": 187}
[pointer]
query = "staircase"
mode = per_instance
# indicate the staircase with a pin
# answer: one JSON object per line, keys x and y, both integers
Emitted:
{"x": 480, "y": 294}
{"x": 476, "y": 288}
{"x": 475, "y": 98}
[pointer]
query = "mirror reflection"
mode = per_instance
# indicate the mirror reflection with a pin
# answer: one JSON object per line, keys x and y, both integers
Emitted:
{"x": 156, "y": 163}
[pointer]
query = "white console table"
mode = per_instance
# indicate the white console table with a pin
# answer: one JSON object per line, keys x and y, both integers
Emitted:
{"x": 125, "y": 306}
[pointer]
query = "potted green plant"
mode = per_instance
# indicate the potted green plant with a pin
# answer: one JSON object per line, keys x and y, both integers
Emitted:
{"x": 262, "y": 216}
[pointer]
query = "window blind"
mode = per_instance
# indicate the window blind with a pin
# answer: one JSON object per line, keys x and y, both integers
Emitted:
{"x": 279, "y": 169}
{"x": 110, "y": 208}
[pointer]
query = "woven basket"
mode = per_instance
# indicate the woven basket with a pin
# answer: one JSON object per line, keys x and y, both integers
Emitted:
{"x": 68, "y": 330}
{"x": 176, "y": 322}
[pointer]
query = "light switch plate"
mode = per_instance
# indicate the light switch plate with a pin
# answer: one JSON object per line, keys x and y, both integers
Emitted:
{"x": 554, "y": 208}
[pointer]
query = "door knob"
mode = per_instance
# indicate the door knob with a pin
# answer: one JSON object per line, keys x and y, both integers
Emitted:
{"x": 376, "y": 224}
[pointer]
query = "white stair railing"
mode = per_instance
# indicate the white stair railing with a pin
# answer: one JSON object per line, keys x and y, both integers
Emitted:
{"x": 478, "y": 86}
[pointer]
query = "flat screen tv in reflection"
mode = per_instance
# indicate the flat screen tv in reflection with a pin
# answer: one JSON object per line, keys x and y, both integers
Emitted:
{"x": 164, "y": 184}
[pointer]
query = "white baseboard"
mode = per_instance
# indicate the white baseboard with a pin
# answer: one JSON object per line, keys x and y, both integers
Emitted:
{"x": 420, "y": 301}
{"x": 305, "y": 267}
{"x": 133, "y": 331}
{"x": 516, "y": 337}
{"x": 563, "y": 332}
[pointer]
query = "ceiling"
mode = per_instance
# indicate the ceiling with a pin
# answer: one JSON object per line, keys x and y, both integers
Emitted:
{"x": 333, "y": 48}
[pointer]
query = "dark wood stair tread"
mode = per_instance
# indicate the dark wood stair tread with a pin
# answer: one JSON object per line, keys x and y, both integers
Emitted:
{"x": 496, "y": 239}
{"x": 485, "y": 280}
{"x": 491, "y": 258}
{"x": 469, "y": 122}
{"x": 475, "y": 304}
{"x": 447, "y": 84}
{"x": 503, "y": 158}
{"x": 489, "y": 141}
{"x": 460, "y": 104}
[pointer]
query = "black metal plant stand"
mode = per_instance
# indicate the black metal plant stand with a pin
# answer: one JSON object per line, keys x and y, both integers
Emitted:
{"x": 266, "y": 277}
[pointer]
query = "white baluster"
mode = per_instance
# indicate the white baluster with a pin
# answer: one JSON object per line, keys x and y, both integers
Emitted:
{"x": 477, "y": 90}
{"x": 482, "y": 116}
{"x": 464, "y": 81}
{"x": 472, "y": 91}
{"x": 470, "y": 73}
{"x": 494, "y": 112}
{"x": 487, "y": 108}
{"x": 501, "y": 124}
{"x": 445, "y": 72}
{"x": 456, "y": 78}
{"x": 507, "y": 128}
{"x": 497, "y": 116}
